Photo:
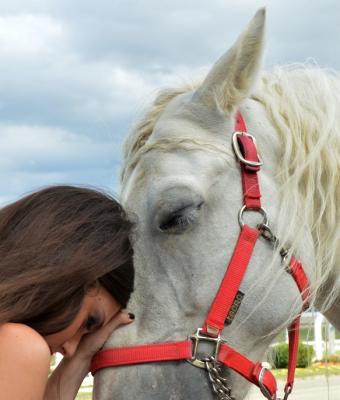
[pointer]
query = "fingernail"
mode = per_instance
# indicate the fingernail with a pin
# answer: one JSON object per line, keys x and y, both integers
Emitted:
{"x": 131, "y": 316}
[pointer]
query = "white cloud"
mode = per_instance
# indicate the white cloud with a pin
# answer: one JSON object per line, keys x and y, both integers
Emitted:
{"x": 29, "y": 35}
{"x": 36, "y": 156}
{"x": 34, "y": 147}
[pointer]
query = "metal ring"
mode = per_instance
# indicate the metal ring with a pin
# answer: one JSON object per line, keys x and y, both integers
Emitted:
{"x": 259, "y": 210}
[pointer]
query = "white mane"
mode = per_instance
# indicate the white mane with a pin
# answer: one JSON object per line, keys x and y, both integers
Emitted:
{"x": 303, "y": 104}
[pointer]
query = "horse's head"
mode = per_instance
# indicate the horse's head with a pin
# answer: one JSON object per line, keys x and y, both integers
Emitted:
{"x": 182, "y": 184}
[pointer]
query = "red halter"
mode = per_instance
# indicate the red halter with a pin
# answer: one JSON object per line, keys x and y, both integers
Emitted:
{"x": 245, "y": 149}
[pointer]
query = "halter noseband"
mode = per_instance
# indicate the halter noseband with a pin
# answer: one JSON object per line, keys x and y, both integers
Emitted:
{"x": 244, "y": 146}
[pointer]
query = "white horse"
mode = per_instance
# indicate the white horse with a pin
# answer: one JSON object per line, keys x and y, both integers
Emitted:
{"x": 181, "y": 183}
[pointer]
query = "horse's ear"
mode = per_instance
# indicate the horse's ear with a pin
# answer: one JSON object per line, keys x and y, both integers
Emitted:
{"x": 232, "y": 77}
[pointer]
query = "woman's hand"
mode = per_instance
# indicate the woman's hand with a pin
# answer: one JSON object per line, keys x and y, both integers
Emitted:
{"x": 67, "y": 377}
{"x": 91, "y": 343}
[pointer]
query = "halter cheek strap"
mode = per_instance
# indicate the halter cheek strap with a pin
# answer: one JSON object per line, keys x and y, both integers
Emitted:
{"x": 246, "y": 151}
{"x": 231, "y": 282}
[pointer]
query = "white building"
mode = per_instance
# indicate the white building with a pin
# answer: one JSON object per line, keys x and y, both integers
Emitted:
{"x": 322, "y": 333}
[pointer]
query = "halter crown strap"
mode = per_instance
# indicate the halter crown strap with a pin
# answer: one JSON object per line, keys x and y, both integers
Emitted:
{"x": 246, "y": 150}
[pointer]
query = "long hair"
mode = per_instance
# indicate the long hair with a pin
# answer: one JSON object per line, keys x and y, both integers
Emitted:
{"x": 303, "y": 102}
{"x": 55, "y": 244}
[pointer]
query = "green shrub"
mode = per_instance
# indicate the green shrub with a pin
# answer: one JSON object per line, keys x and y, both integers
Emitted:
{"x": 306, "y": 353}
{"x": 281, "y": 355}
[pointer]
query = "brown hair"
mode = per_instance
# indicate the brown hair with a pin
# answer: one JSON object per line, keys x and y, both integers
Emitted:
{"x": 55, "y": 244}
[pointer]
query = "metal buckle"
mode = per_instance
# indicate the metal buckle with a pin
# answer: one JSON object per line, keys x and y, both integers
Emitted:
{"x": 201, "y": 337}
{"x": 260, "y": 210}
{"x": 238, "y": 153}
{"x": 263, "y": 389}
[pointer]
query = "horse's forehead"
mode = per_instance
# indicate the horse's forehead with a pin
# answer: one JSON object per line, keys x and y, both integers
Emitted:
{"x": 174, "y": 166}
{"x": 158, "y": 170}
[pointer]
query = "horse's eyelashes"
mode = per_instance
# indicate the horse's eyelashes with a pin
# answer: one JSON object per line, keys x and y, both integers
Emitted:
{"x": 174, "y": 222}
{"x": 199, "y": 206}
{"x": 180, "y": 220}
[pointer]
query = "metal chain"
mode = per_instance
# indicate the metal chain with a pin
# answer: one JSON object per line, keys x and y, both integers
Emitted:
{"x": 218, "y": 383}
{"x": 267, "y": 234}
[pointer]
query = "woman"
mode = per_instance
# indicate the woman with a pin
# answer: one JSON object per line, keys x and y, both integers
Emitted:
{"x": 66, "y": 273}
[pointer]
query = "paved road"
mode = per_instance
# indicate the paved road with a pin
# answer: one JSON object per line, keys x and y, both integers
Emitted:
{"x": 305, "y": 389}
{"x": 308, "y": 389}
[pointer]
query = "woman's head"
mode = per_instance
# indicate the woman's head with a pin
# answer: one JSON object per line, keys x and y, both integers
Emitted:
{"x": 55, "y": 246}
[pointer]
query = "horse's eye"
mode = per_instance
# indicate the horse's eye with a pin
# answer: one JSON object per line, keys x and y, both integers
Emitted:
{"x": 180, "y": 220}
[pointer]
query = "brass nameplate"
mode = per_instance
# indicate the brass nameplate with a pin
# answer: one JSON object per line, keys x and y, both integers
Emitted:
{"x": 234, "y": 308}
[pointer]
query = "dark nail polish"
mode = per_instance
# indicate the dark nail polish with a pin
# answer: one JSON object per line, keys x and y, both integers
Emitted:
{"x": 131, "y": 316}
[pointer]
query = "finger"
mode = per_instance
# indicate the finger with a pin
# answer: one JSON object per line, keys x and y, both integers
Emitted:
{"x": 122, "y": 318}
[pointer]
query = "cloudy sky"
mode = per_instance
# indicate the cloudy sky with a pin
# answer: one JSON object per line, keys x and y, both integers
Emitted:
{"x": 75, "y": 74}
